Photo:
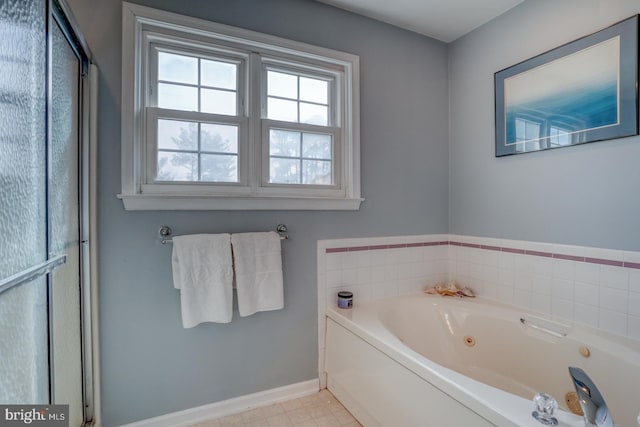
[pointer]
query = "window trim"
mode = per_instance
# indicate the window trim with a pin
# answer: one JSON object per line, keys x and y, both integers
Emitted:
{"x": 136, "y": 194}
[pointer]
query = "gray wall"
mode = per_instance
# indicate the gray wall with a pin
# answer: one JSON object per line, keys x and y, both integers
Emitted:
{"x": 151, "y": 366}
{"x": 585, "y": 195}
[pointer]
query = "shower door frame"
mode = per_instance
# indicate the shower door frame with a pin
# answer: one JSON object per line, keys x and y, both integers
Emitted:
{"x": 59, "y": 13}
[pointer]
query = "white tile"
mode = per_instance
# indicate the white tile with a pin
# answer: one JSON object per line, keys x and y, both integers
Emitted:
{"x": 411, "y": 254}
{"x": 585, "y": 293}
{"x": 614, "y": 299}
{"x": 542, "y": 284}
{"x": 489, "y": 258}
{"x": 633, "y": 327}
{"x": 431, "y": 253}
{"x": 524, "y": 281}
{"x": 490, "y": 273}
{"x": 504, "y": 294}
{"x": 614, "y": 277}
{"x": 508, "y": 261}
{"x": 378, "y": 290}
{"x": 634, "y": 304}
{"x": 541, "y": 303}
{"x": 564, "y": 269}
{"x": 349, "y": 276}
{"x": 507, "y": 278}
{"x": 612, "y": 321}
{"x": 378, "y": 272}
{"x": 475, "y": 255}
{"x": 562, "y": 308}
{"x": 410, "y": 270}
{"x": 380, "y": 257}
{"x": 362, "y": 293}
{"x": 632, "y": 256}
{"x": 601, "y": 253}
{"x": 562, "y": 289}
{"x": 490, "y": 290}
{"x": 525, "y": 264}
{"x": 568, "y": 250}
{"x": 410, "y": 287}
{"x": 451, "y": 267}
{"x": 364, "y": 275}
{"x": 542, "y": 265}
{"x": 586, "y": 314}
{"x": 587, "y": 272}
{"x": 634, "y": 280}
{"x": 333, "y": 278}
{"x": 357, "y": 259}
{"x": 321, "y": 259}
{"x": 391, "y": 290}
{"x": 522, "y": 298}
{"x": 333, "y": 261}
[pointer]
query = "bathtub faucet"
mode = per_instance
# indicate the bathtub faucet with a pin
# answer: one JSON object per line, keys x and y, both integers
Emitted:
{"x": 596, "y": 412}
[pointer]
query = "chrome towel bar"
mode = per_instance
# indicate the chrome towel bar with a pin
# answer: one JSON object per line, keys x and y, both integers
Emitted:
{"x": 165, "y": 233}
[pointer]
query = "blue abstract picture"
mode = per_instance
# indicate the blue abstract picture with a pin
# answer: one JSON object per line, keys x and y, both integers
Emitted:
{"x": 583, "y": 91}
{"x": 571, "y": 94}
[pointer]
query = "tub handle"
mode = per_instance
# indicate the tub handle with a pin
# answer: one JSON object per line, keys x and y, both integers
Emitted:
{"x": 542, "y": 328}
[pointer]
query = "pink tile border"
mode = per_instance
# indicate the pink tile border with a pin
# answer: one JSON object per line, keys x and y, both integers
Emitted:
{"x": 378, "y": 247}
{"x": 600, "y": 261}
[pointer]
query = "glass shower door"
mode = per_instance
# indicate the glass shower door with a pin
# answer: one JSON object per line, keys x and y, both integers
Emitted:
{"x": 24, "y": 365}
{"x": 43, "y": 209}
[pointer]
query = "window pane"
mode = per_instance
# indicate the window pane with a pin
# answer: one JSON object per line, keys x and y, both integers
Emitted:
{"x": 314, "y": 90}
{"x": 313, "y": 114}
{"x": 218, "y": 102}
{"x": 284, "y": 143}
{"x": 316, "y": 172}
{"x": 177, "y": 166}
{"x": 218, "y": 138}
{"x": 284, "y": 171}
{"x": 177, "y": 68}
{"x": 176, "y": 135}
{"x": 532, "y": 130}
{"x": 559, "y": 136}
{"x": 316, "y": 146}
{"x": 177, "y": 97}
{"x": 219, "y": 168}
{"x": 279, "y": 109}
{"x": 281, "y": 84}
{"x": 218, "y": 74}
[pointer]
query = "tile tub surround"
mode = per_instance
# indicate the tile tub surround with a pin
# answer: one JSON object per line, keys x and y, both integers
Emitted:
{"x": 592, "y": 286}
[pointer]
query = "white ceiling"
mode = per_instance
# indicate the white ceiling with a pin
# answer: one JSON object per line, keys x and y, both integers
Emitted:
{"x": 444, "y": 20}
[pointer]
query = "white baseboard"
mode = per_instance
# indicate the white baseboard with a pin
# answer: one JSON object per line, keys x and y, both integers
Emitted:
{"x": 232, "y": 406}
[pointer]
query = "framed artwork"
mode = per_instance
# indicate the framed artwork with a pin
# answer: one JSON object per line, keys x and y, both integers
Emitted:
{"x": 584, "y": 91}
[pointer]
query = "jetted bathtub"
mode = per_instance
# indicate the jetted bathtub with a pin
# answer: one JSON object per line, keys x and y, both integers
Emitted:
{"x": 427, "y": 360}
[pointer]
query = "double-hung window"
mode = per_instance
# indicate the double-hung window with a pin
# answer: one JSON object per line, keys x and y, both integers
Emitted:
{"x": 194, "y": 117}
{"x": 216, "y": 117}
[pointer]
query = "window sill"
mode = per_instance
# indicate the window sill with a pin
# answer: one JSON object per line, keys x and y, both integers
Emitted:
{"x": 145, "y": 202}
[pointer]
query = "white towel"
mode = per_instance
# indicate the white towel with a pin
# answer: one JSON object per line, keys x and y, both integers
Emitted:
{"x": 258, "y": 267}
{"x": 202, "y": 270}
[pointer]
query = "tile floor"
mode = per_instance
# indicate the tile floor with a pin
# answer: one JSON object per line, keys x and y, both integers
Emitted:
{"x": 317, "y": 410}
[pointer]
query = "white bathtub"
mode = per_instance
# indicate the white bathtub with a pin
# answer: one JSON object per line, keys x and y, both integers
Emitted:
{"x": 403, "y": 361}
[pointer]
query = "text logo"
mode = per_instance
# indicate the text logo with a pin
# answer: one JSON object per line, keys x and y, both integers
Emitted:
{"x": 34, "y": 415}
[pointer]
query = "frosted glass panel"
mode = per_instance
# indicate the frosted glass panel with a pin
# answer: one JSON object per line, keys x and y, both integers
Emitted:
{"x": 24, "y": 370}
{"x": 23, "y": 312}
{"x": 22, "y": 149}
{"x": 64, "y": 228}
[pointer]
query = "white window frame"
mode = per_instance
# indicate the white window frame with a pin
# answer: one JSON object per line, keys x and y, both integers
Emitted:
{"x": 144, "y": 27}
